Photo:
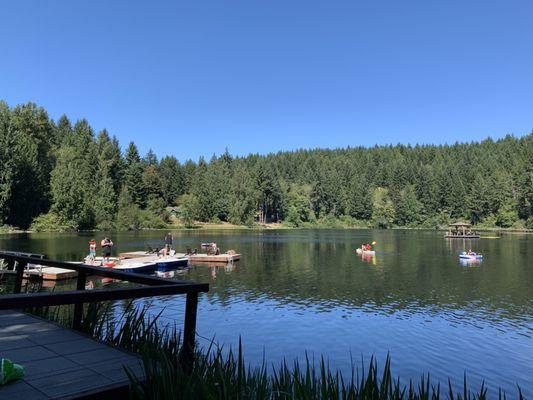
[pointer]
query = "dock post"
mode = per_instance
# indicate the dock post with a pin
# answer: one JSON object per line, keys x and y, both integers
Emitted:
{"x": 189, "y": 331}
{"x": 20, "y": 274}
{"x": 78, "y": 307}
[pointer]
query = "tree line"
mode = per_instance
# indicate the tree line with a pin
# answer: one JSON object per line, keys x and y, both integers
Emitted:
{"x": 65, "y": 176}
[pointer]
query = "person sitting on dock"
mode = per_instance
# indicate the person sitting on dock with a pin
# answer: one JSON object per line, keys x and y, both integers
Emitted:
{"x": 106, "y": 249}
{"x": 211, "y": 248}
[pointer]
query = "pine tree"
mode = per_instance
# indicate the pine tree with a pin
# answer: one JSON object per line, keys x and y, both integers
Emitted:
{"x": 128, "y": 216}
{"x": 241, "y": 207}
{"x": 62, "y": 130}
{"x": 359, "y": 202}
{"x": 30, "y": 132}
{"x": 408, "y": 208}
{"x": 133, "y": 173}
{"x": 7, "y": 161}
{"x": 172, "y": 179}
{"x": 383, "y": 208}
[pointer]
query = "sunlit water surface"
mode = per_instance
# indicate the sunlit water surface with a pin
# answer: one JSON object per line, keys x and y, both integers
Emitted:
{"x": 297, "y": 291}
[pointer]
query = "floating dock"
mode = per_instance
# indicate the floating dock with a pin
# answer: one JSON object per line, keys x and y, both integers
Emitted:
{"x": 57, "y": 274}
{"x": 215, "y": 259}
{"x": 146, "y": 263}
{"x": 46, "y": 273}
{"x": 201, "y": 258}
{"x": 461, "y": 236}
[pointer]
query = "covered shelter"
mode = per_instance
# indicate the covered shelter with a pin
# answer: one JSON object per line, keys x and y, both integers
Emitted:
{"x": 461, "y": 230}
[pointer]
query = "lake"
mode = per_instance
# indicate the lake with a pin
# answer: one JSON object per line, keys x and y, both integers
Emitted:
{"x": 305, "y": 290}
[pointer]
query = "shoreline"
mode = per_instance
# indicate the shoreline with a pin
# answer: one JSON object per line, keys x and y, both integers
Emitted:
{"x": 202, "y": 226}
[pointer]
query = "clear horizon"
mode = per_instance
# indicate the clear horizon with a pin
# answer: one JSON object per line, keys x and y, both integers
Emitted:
{"x": 191, "y": 80}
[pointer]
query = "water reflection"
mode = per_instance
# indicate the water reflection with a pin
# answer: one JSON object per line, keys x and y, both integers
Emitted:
{"x": 307, "y": 290}
{"x": 470, "y": 263}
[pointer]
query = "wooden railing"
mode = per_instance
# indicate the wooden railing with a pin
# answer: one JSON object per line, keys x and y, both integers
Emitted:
{"x": 153, "y": 287}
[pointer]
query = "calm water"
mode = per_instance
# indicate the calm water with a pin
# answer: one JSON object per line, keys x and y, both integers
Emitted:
{"x": 305, "y": 290}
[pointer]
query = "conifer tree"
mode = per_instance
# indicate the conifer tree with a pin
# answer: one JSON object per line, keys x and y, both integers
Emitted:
{"x": 30, "y": 131}
{"x": 6, "y": 161}
{"x": 172, "y": 179}
{"x": 133, "y": 174}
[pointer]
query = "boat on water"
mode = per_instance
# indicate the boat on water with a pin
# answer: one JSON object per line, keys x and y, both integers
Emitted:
{"x": 473, "y": 256}
{"x": 362, "y": 252}
{"x": 137, "y": 266}
{"x": 145, "y": 263}
{"x": 171, "y": 262}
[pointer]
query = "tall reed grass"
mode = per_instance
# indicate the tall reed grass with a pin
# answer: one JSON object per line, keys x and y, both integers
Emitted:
{"x": 219, "y": 374}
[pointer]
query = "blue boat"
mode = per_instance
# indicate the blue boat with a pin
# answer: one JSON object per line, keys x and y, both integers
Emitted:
{"x": 138, "y": 267}
{"x": 169, "y": 263}
{"x": 465, "y": 256}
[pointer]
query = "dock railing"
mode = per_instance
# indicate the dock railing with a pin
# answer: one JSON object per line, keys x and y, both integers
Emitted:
{"x": 154, "y": 286}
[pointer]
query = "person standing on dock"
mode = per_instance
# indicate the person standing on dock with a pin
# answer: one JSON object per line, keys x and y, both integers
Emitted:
{"x": 168, "y": 244}
{"x": 92, "y": 250}
{"x": 106, "y": 249}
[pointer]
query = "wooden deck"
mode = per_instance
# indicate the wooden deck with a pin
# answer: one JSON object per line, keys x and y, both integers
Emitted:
{"x": 59, "y": 362}
{"x": 200, "y": 258}
{"x": 461, "y": 236}
{"x": 214, "y": 259}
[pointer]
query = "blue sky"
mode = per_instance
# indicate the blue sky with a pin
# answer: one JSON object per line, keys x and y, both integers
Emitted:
{"x": 192, "y": 78}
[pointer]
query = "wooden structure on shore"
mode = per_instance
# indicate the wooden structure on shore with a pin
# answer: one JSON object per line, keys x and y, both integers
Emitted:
{"x": 90, "y": 370}
{"x": 461, "y": 230}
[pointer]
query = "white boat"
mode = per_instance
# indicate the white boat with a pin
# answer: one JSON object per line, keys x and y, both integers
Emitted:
{"x": 465, "y": 256}
{"x": 362, "y": 252}
{"x": 147, "y": 266}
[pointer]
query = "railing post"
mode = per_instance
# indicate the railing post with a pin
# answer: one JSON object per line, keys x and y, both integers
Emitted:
{"x": 78, "y": 307}
{"x": 20, "y": 265}
{"x": 189, "y": 331}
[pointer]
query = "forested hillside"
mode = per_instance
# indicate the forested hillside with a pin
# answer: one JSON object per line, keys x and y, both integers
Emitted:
{"x": 63, "y": 175}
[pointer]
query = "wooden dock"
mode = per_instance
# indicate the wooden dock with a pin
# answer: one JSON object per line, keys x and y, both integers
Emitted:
{"x": 58, "y": 274}
{"x": 201, "y": 258}
{"x": 138, "y": 263}
{"x": 46, "y": 273}
{"x": 213, "y": 259}
{"x": 61, "y": 363}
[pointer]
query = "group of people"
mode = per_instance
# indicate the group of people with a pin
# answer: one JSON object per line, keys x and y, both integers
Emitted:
{"x": 106, "y": 245}
{"x": 212, "y": 248}
{"x": 366, "y": 247}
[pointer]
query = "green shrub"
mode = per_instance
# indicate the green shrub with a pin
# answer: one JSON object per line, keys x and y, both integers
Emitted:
{"x": 506, "y": 216}
{"x": 52, "y": 222}
{"x": 7, "y": 229}
{"x": 150, "y": 220}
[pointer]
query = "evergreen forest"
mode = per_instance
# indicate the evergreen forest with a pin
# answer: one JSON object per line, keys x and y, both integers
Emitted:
{"x": 62, "y": 175}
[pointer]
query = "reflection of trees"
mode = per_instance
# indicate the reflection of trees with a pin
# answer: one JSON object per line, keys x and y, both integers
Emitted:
{"x": 413, "y": 269}
{"x": 318, "y": 268}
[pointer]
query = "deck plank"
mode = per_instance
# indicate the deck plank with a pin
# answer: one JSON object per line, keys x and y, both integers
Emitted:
{"x": 59, "y": 363}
